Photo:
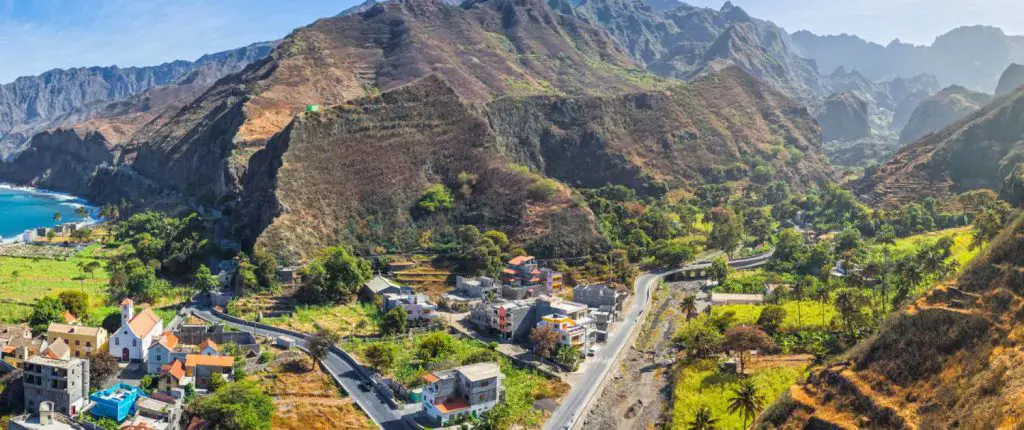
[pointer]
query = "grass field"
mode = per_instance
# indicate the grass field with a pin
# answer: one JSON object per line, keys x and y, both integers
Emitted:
{"x": 24, "y": 280}
{"x": 349, "y": 319}
{"x": 810, "y": 314}
{"x": 700, "y": 384}
{"x": 961, "y": 251}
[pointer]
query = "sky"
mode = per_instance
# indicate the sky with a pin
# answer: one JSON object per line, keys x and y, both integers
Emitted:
{"x": 881, "y": 21}
{"x": 39, "y": 35}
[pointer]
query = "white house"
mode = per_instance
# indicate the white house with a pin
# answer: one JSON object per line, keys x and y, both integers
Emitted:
{"x": 131, "y": 342}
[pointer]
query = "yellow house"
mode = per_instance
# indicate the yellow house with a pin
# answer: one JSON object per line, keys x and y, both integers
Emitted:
{"x": 82, "y": 340}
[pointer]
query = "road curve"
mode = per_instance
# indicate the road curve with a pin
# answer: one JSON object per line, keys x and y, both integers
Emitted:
{"x": 369, "y": 401}
{"x": 575, "y": 405}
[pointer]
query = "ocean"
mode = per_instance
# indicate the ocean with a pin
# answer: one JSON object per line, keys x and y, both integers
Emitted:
{"x": 23, "y": 209}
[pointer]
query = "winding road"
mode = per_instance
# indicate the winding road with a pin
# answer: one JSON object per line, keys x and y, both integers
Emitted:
{"x": 371, "y": 402}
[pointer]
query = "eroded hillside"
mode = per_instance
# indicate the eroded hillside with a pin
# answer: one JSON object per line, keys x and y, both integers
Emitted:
{"x": 947, "y": 361}
{"x": 979, "y": 151}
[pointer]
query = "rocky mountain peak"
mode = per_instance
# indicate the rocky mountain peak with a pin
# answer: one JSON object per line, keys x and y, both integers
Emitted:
{"x": 1011, "y": 79}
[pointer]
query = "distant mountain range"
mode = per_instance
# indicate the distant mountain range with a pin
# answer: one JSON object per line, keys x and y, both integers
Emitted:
{"x": 32, "y": 104}
{"x": 972, "y": 57}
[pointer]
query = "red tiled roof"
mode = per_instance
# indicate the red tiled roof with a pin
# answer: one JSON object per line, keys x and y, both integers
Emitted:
{"x": 168, "y": 340}
{"x": 508, "y": 271}
{"x": 209, "y": 343}
{"x": 144, "y": 322}
{"x": 69, "y": 318}
{"x": 127, "y": 302}
{"x": 176, "y": 369}
{"x": 520, "y": 260}
{"x": 193, "y": 360}
{"x": 453, "y": 404}
{"x": 430, "y": 378}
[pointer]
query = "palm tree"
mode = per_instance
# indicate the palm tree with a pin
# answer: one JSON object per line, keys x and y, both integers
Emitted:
{"x": 690, "y": 306}
{"x": 822, "y": 295}
{"x": 702, "y": 420}
{"x": 81, "y": 212}
{"x": 746, "y": 400}
{"x": 57, "y": 217}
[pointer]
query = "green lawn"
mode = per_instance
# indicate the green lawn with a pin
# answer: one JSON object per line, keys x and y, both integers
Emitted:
{"x": 24, "y": 280}
{"x": 700, "y": 384}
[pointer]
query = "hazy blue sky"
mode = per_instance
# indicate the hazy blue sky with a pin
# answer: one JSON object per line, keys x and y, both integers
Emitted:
{"x": 38, "y": 35}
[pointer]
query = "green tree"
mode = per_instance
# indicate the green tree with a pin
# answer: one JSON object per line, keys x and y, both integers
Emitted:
{"x": 850, "y": 304}
{"x": 239, "y": 405}
{"x": 771, "y": 318}
{"x": 703, "y": 420}
{"x": 45, "y": 311}
{"x": 758, "y": 223}
{"x": 394, "y": 321}
{"x": 81, "y": 212}
{"x": 110, "y": 212}
{"x": 265, "y": 268}
{"x": 57, "y": 217}
{"x": 480, "y": 254}
{"x": 719, "y": 270}
{"x": 727, "y": 231}
{"x": 743, "y": 338}
{"x": 690, "y": 306}
{"x": 700, "y": 340}
{"x": 746, "y": 401}
{"x": 321, "y": 342}
{"x": 51, "y": 235}
{"x": 848, "y": 240}
{"x": 381, "y": 355}
{"x": 76, "y": 302}
{"x": 203, "y": 280}
{"x": 568, "y": 356}
{"x": 672, "y": 253}
{"x": 435, "y": 199}
{"x": 334, "y": 276}
{"x": 91, "y": 267}
{"x": 499, "y": 238}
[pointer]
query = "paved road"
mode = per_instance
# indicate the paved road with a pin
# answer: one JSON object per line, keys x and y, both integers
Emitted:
{"x": 574, "y": 406}
{"x": 369, "y": 401}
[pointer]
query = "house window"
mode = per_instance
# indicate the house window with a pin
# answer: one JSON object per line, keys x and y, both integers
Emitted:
{"x": 78, "y": 343}
{"x": 159, "y": 358}
{"x": 135, "y": 342}
{"x": 88, "y": 344}
{"x": 117, "y": 341}
{"x": 77, "y": 354}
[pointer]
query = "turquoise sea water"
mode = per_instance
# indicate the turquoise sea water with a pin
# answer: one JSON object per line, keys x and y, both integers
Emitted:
{"x": 22, "y": 210}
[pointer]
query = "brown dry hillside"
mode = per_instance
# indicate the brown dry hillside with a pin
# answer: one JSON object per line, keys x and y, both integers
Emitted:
{"x": 951, "y": 360}
{"x": 493, "y": 99}
{"x": 979, "y": 151}
{"x": 323, "y": 180}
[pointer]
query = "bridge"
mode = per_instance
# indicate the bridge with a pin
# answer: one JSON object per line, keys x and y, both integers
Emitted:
{"x": 701, "y": 269}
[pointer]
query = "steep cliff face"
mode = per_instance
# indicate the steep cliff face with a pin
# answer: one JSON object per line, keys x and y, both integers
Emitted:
{"x": 948, "y": 361}
{"x": 1011, "y": 79}
{"x": 941, "y": 110}
{"x": 844, "y": 116}
{"x": 978, "y": 151}
{"x": 32, "y": 104}
{"x": 685, "y": 42}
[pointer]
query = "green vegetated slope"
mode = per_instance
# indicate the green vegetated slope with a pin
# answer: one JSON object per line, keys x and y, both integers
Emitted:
{"x": 983, "y": 150}
{"x": 948, "y": 360}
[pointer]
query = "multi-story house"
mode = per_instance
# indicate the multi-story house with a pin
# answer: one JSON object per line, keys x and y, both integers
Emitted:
{"x": 9, "y": 332}
{"x": 83, "y": 341}
{"x": 461, "y": 393}
{"x": 469, "y": 292}
{"x": 523, "y": 277}
{"x": 379, "y": 286}
{"x": 417, "y": 306}
{"x": 511, "y": 320}
{"x": 65, "y": 383}
{"x": 137, "y": 333}
{"x": 163, "y": 352}
{"x": 605, "y": 303}
{"x": 570, "y": 332}
{"x": 46, "y": 419}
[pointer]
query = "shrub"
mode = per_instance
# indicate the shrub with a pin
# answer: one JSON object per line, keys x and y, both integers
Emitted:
{"x": 435, "y": 199}
{"x": 542, "y": 190}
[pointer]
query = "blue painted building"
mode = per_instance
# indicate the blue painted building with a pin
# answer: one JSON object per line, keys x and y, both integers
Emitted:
{"x": 116, "y": 403}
